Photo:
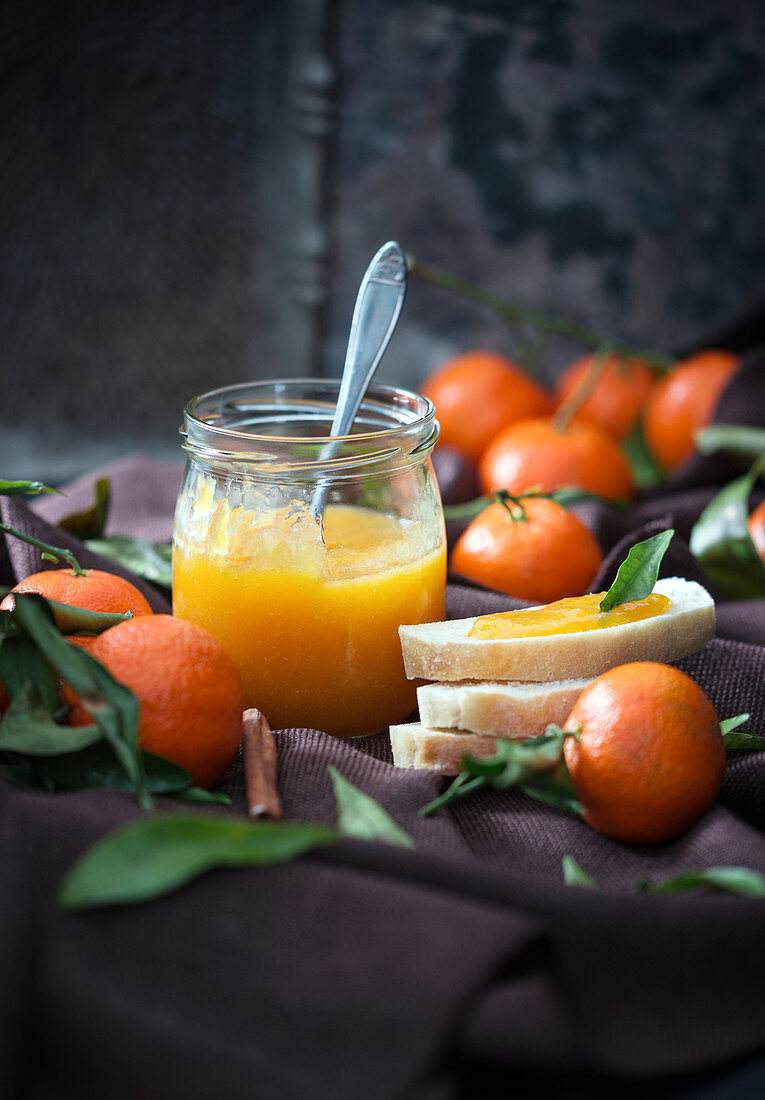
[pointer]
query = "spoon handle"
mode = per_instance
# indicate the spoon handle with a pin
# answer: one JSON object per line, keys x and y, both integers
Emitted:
{"x": 378, "y": 305}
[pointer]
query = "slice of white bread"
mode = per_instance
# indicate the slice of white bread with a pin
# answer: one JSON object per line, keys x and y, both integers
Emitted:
{"x": 416, "y": 746}
{"x": 443, "y": 651}
{"x": 504, "y": 710}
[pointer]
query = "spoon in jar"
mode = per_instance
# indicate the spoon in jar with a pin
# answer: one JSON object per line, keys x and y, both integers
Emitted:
{"x": 378, "y": 305}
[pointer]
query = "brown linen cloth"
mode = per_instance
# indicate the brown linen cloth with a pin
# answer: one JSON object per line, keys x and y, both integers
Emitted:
{"x": 462, "y": 968}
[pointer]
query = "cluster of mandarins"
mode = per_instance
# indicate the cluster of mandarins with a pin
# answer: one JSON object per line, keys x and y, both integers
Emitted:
{"x": 510, "y": 429}
{"x": 188, "y": 687}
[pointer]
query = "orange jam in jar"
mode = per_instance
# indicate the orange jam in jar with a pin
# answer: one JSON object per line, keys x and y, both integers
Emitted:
{"x": 307, "y": 591}
{"x": 569, "y": 616}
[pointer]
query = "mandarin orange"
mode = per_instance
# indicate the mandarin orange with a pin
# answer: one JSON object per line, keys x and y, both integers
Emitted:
{"x": 683, "y": 401}
{"x": 188, "y": 687}
{"x": 93, "y": 589}
{"x": 479, "y": 392}
{"x": 541, "y": 552}
{"x": 647, "y": 757}
{"x": 616, "y": 399}
{"x": 537, "y": 453}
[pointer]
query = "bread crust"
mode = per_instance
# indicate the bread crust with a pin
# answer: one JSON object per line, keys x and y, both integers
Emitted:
{"x": 444, "y": 652}
{"x": 415, "y": 746}
{"x": 501, "y": 709}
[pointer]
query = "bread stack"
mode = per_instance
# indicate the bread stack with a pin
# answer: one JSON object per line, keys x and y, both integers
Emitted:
{"x": 514, "y": 687}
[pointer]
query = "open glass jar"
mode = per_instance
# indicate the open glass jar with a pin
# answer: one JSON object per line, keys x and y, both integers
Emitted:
{"x": 305, "y": 555}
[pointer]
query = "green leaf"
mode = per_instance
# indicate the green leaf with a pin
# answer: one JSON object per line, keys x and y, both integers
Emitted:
{"x": 22, "y": 488}
{"x": 469, "y": 510}
{"x": 113, "y": 707}
{"x": 28, "y": 728}
{"x": 646, "y": 471}
{"x": 23, "y": 774}
{"x": 741, "y": 440}
{"x": 158, "y": 854}
{"x": 96, "y": 767}
{"x": 527, "y": 764}
{"x": 743, "y": 741}
{"x": 637, "y": 574}
{"x": 199, "y": 794}
{"x": 574, "y": 875}
{"x": 21, "y": 664}
{"x": 733, "y": 880}
{"x": 361, "y": 817}
{"x": 90, "y": 523}
{"x": 554, "y": 792}
{"x": 720, "y": 539}
{"x": 736, "y": 739}
{"x": 149, "y": 560}
{"x": 79, "y": 620}
{"x": 568, "y": 495}
{"x": 727, "y": 725}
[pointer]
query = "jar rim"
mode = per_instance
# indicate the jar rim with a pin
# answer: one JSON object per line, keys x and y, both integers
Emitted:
{"x": 409, "y": 412}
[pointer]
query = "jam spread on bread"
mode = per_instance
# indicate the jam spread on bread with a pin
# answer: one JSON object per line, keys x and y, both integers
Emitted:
{"x": 569, "y": 616}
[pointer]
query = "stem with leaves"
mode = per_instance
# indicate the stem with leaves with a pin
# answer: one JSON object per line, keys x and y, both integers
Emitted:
{"x": 50, "y": 553}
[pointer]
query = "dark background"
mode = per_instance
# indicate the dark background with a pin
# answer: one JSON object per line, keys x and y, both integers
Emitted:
{"x": 190, "y": 191}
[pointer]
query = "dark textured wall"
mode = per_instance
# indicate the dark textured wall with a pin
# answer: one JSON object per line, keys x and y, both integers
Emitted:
{"x": 602, "y": 159}
{"x": 127, "y": 219}
{"x": 596, "y": 158}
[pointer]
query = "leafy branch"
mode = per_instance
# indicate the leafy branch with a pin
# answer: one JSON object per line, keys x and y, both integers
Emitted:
{"x": 50, "y": 553}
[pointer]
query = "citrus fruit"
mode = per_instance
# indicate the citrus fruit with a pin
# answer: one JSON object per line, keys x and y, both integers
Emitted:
{"x": 756, "y": 526}
{"x": 537, "y": 453}
{"x": 544, "y": 554}
{"x": 683, "y": 401}
{"x": 188, "y": 687}
{"x": 94, "y": 590}
{"x": 617, "y": 397}
{"x": 478, "y": 393}
{"x": 649, "y": 758}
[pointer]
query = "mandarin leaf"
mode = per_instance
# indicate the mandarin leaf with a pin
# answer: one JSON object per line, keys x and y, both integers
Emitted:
{"x": 148, "y": 560}
{"x": 361, "y": 817}
{"x": 90, "y": 523}
{"x": 636, "y": 576}
{"x": 22, "y": 488}
{"x": 721, "y": 541}
{"x": 733, "y": 880}
{"x": 574, "y": 875}
{"x": 158, "y": 854}
{"x": 28, "y": 728}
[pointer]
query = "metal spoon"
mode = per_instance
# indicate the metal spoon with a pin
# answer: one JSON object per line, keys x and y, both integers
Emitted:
{"x": 378, "y": 304}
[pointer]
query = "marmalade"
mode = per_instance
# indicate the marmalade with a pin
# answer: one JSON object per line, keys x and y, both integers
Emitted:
{"x": 312, "y": 624}
{"x": 568, "y": 616}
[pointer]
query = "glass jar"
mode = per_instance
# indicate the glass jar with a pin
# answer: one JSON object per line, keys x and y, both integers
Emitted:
{"x": 303, "y": 554}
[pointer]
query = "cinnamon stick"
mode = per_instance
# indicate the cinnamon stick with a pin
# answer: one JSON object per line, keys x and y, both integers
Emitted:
{"x": 260, "y": 775}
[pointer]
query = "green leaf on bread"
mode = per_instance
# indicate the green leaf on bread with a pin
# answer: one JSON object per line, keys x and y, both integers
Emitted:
{"x": 638, "y": 572}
